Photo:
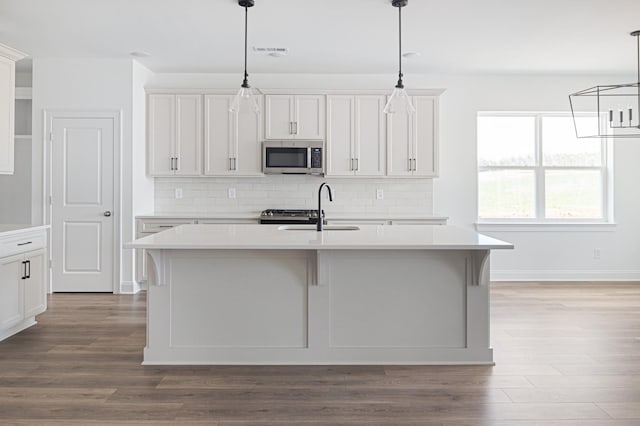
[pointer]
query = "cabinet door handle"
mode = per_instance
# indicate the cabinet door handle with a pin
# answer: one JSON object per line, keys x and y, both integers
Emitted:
{"x": 235, "y": 164}
{"x": 28, "y": 268}
{"x": 414, "y": 164}
{"x": 295, "y": 132}
{"x": 24, "y": 270}
{"x": 177, "y": 164}
{"x": 357, "y": 164}
{"x": 170, "y": 163}
{"x": 24, "y": 244}
{"x": 351, "y": 165}
{"x": 230, "y": 164}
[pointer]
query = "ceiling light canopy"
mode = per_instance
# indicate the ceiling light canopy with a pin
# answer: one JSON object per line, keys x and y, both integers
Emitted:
{"x": 617, "y": 108}
{"x": 399, "y": 100}
{"x": 245, "y": 95}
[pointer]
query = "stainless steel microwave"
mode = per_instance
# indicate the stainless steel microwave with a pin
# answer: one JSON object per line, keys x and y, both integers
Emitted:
{"x": 293, "y": 157}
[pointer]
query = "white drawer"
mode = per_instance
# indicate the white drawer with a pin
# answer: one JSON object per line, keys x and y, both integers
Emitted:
{"x": 151, "y": 226}
{"x": 21, "y": 244}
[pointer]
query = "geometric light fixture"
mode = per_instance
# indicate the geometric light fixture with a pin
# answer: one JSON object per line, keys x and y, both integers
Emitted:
{"x": 399, "y": 100}
{"x": 245, "y": 95}
{"x": 616, "y": 106}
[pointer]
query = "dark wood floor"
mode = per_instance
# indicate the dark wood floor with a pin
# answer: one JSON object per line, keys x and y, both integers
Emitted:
{"x": 566, "y": 354}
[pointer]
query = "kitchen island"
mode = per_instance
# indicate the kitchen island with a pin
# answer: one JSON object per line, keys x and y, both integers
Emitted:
{"x": 270, "y": 294}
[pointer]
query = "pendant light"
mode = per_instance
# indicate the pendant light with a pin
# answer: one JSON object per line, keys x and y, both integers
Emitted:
{"x": 617, "y": 108}
{"x": 245, "y": 95}
{"x": 399, "y": 100}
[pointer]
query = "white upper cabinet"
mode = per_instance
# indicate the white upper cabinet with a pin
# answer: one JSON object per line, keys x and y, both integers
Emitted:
{"x": 232, "y": 142}
{"x": 8, "y": 58}
{"x": 294, "y": 117}
{"x": 412, "y": 140}
{"x": 356, "y": 135}
{"x": 174, "y": 135}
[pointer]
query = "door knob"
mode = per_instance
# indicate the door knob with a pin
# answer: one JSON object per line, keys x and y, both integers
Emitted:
{"x": 107, "y": 213}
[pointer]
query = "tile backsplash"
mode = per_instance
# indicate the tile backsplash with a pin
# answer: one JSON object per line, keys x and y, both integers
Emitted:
{"x": 358, "y": 195}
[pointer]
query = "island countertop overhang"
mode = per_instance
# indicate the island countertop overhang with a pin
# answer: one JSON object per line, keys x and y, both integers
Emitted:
{"x": 270, "y": 237}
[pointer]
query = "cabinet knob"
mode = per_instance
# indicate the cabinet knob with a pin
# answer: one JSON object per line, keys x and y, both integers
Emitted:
{"x": 107, "y": 213}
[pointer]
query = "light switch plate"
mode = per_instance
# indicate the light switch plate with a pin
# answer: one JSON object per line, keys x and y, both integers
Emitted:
{"x": 379, "y": 194}
{"x": 178, "y": 193}
{"x": 231, "y": 193}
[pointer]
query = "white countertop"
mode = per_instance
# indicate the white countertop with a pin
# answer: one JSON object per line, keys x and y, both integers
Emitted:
{"x": 256, "y": 215}
{"x": 15, "y": 229}
{"x": 188, "y": 215}
{"x": 270, "y": 237}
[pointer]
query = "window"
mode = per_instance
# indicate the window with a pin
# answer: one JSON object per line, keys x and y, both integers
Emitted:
{"x": 532, "y": 168}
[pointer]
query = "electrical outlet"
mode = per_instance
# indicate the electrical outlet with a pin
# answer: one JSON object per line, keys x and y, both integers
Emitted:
{"x": 178, "y": 193}
{"x": 379, "y": 194}
{"x": 596, "y": 253}
{"x": 231, "y": 193}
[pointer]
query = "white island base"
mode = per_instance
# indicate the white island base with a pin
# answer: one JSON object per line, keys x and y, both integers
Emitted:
{"x": 322, "y": 305}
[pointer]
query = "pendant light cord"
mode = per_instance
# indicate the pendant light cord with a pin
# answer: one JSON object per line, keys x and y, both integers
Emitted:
{"x": 245, "y": 82}
{"x": 400, "y": 85}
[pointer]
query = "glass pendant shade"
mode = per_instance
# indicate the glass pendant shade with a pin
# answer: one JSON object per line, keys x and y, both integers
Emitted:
{"x": 399, "y": 101}
{"x": 245, "y": 100}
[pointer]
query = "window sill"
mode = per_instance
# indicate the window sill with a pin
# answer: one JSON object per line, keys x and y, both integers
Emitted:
{"x": 546, "y": 226}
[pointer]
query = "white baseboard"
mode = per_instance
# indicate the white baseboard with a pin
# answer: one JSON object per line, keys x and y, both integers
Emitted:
{"x": 564, "y": 275}
{"x": 132, "y": 287}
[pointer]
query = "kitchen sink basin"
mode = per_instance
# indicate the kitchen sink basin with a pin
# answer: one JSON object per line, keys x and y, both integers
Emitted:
{"x": 313, "y": 228}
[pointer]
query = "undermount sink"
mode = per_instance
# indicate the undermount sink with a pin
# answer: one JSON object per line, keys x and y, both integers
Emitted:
{"x": 313, "y": 228}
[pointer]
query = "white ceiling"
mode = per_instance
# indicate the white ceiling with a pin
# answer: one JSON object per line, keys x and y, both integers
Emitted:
{"x": 334, "y": 36}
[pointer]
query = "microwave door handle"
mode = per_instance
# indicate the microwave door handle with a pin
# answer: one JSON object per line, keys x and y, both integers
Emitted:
{"x": 308, "y": 158}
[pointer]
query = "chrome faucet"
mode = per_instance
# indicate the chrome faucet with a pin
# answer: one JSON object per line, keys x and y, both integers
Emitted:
{"x": 320, "y": 218}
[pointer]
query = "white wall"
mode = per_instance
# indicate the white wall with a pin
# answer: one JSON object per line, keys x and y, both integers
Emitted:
{"x": 209, "y": 195}
{"x": 538, "y": 255}
{"x": 72, "y": 84}
{"x": 141, "y": 196}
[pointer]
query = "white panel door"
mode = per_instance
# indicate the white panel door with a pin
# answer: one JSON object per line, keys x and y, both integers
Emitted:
{"x": 188, "y": 149}
{"x": 425, "y": 139}
{"x": 370, "y": 137}
{"x": 399, "y": 144}
{"x": 161, "y": 135}
{"x": 340, "y": 136}
{"x": 248, "y": 148}
{"x": 310, "y": 121}
{"x": 11, "y": 295}
{"x": 82, "y": 233}
{"x": 279, "y": 117}
{"x": 35, "y": 292}
{"x": 218, "y": 135}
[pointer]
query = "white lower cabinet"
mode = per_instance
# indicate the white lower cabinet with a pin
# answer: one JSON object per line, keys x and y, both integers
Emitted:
{"x": 23, "y": 292}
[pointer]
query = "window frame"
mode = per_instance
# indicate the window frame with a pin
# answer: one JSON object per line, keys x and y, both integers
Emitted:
{"x": 539, "y": 170}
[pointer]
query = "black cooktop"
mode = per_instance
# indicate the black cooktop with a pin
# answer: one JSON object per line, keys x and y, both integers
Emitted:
{"x": 285, "y": 216}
